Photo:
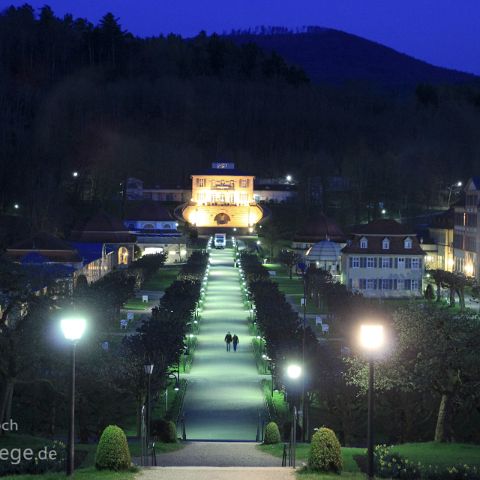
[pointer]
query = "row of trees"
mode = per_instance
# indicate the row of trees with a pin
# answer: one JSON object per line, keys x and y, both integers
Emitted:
{"x": 427, "y": 380}
{"x": 110, "y": 372}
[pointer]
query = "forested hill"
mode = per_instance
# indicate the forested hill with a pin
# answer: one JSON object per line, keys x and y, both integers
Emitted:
{"x": 94, "y": 99}
{"x": 336, "y": 57}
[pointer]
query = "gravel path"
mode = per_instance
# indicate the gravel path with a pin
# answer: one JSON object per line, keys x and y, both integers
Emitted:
{"x": 212, "y": 473}
{"x": 218, "y": 454}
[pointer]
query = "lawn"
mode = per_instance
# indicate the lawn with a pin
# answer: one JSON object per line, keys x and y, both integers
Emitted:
{"x": 163, "y": 278}
{"x": 137, "y": 304}
{"x": 83, "y": 474}
{"x": 428, "y": 453}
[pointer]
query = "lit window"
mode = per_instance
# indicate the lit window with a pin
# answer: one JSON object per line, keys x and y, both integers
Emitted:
{"x": 386, "y": 244}
{"x": 200, "y": 182}
{"x": 363, "y": 243}
{"x": 244, "y": 182}
{"x": 408, "y": 243}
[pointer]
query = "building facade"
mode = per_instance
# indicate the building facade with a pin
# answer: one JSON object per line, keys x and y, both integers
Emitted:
{"x": 466, "y": 239}
{"x": 222, "y": 197}
{"x": 383, "y": 259}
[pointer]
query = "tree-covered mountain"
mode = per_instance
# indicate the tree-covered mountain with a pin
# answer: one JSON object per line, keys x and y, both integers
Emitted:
{"x": 99, "y": 101}
{"x": 336, "y": 57}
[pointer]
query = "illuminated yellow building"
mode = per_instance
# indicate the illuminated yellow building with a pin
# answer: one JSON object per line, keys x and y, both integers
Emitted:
{"x": 222, "y": 197}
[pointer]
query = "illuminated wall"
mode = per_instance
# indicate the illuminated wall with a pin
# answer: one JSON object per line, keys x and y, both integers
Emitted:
{"x": 222, "y": 201}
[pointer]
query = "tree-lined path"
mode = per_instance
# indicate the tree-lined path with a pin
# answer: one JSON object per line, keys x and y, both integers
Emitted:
{"x": 224, "y": 393}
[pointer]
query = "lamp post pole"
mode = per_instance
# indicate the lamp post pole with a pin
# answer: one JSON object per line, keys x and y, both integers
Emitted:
{"x": 370, "y": 432}
{"x": 71, "y": 423}
{"x": 73, "y": 329}
{"x": 372, "y": 341}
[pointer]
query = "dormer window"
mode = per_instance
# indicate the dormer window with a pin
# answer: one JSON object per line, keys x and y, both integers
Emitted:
{"x": 385, "y": 244}
{"x": 363, "y": 243}
{"x": 407, "y": 243}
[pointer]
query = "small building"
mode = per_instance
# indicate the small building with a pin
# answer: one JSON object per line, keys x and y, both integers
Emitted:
{"x": 222, "y": 197}
{"x": 436, "y": 240}
{"x": 104, "y": 244}
{"x": 383, "y": 259}
{"x": 143, "y": 217}
{"x": 175, "y": 247}
{"x": 325, "y": 255}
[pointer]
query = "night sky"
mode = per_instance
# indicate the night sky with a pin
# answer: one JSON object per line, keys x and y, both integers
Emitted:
{"x": 442, "y": 32}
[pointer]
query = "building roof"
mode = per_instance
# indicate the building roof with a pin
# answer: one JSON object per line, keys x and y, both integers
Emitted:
{"x": 324, "y": 251}
{"x": 376, "y": 231}
{"x": 443, "y": 220}
{"x": 147, "y": 211}
{"x": 382, "y": 226}
{"x": 375, "y": 246}
{"x": 102, "y": 228}
{"x": 227, "y": 172}
{"x": 320, "y": 227}
{"x": 43, "y": 248}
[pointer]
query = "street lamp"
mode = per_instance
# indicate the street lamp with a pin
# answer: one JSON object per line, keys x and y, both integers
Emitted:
{"x": 148, "y": 368}
{"x": 294, "y": 372}
{"x": 73, "y": 329}
{"x": 450, "y": 188}
{"x": 372, "y": 339}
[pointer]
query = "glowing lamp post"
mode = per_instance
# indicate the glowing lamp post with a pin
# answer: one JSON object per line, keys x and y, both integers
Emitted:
{"x": 73, "y": 329}
{"x": 372, "y": 339}
{"x": 294, "y": 372}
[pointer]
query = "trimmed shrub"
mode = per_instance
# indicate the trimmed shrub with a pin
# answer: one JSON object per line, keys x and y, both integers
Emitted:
{"x": 164, "y": 431}
{"x": 325, "y": 452}
{"x": 272, "y": 434}
{"x": 112, "y": 450}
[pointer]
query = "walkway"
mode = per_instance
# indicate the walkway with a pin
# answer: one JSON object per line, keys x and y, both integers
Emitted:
{"x": 218, "y": 454}
{"x": 215, "y": 473}
{"x": 224, "y": 393}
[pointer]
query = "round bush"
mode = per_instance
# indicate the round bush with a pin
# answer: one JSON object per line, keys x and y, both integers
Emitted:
{"x": 325, "y": 452}
{"x": 164, "y": 431}
{"x": 272, "y": 434}
{"x": 112, "y": 450}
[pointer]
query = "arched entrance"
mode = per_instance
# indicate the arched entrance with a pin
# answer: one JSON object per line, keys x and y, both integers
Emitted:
{"x": 222, "y": 218}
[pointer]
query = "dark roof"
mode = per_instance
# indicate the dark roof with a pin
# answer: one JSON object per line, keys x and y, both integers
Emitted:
{"x": 476, "y": 182}
{"x": 142, "y": 210}
{"x": 42, "y": 241}
{"x": 382, "y": 226}
{"x": 102, "y": 228}
{"x": 443, "y": 220}
{"x": 375, "y": 246}
{"x": 320, "y": 227}
{"x": 279, "y": 187}
{"x": 232, "y": 172}
{"x": 42, "y": 248}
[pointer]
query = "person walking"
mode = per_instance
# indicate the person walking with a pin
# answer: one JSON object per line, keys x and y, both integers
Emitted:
{"x": 235, "y": 341}
{"x": 228, "y": 340}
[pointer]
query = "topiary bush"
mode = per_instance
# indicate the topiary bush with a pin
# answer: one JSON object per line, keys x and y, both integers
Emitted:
{"x": 325, "y": 452}
{"x": 164, "y": 431}
{"x": 112, "y": 450}
{"x": 272, "y": 434}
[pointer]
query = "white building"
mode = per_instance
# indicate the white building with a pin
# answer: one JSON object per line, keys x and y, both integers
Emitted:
{"x": 383, "y": 259}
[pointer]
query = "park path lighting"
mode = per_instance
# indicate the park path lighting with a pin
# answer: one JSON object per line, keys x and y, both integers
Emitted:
{"x": 73, "y": 329}
{"x": 148, "y": 368}
{"x": 294, "y": 372}
{"x": 75, "y": 174}
{"x": 372, "y": 340}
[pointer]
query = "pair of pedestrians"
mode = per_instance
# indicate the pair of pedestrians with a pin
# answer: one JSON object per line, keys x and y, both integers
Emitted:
{"x": 231, "y": 339}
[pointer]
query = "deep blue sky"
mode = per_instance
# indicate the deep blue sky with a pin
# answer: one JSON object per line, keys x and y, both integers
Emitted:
{"x": 442, "y": 32}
